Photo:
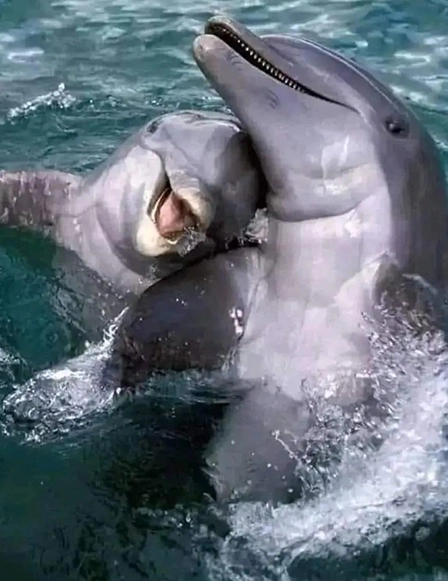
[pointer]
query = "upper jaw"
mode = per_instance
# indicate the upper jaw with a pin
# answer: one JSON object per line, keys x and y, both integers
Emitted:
{"x": 225, "y": 36}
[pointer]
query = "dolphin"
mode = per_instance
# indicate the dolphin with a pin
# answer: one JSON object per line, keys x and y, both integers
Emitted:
{"x": 185, "y": 184}
{"x": 356, "y": 188}
{"x": 356, "y": 206}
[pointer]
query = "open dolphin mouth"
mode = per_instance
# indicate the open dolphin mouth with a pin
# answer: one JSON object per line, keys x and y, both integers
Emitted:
{"x": 225, "y": 32}
{"x": 174, "y": 217}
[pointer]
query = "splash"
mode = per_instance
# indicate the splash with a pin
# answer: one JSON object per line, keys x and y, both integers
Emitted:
{"x": 190, "y": 239}
{"x": 379, "y": 498}
{"x": 257, "y": 229}
{"x": 59, "y": 98}
{"x": 58, "y": 400}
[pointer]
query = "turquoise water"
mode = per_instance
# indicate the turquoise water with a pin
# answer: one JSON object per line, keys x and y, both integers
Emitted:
{"x": 77, "y": 76}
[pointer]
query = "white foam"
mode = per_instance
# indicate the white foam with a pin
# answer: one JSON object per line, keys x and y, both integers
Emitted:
{"x": 59, "y": 399}
{"x": 257, "y": 228}
{"x": 19, "y": 56}
{"x": 379, "y": 495}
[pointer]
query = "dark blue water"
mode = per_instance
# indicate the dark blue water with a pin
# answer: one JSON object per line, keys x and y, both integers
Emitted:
{"x": 77, "y": 77}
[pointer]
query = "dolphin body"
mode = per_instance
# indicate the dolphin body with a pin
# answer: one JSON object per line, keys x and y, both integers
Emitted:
{"x": 356, "y": 205}
{"x": 184, "y": 186}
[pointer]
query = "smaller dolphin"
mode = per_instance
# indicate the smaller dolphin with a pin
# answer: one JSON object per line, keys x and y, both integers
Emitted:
{"x": 185, "y": 184}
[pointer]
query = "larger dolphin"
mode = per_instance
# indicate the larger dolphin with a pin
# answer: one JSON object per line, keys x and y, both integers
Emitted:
{"x": 357, "y": 200}
{"x": 356, "y": 187}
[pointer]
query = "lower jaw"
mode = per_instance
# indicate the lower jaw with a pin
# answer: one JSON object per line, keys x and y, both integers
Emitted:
{"x": 173, "y": 239}
{"x": 187, "y": 241}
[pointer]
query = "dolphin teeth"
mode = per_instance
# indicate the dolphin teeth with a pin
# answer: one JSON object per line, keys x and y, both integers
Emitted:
{"x": 256, "y": 59}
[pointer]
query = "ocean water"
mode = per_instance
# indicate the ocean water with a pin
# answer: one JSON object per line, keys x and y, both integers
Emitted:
{"x": 77, "y": 77}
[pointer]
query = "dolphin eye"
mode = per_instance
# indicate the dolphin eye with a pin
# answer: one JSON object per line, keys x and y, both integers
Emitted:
{"x": 397, "y": 126}
{"x": 153, "y": 125}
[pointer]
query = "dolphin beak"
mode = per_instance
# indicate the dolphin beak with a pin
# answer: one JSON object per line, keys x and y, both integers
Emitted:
{"x": 206, "y": 44}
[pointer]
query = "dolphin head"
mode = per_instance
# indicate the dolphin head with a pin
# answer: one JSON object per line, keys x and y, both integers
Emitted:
{"x": 183, "y": 178}
{"x": 209, "y": 163}
{"x": 328, "y": 134}
{"x": 315, "y": 118}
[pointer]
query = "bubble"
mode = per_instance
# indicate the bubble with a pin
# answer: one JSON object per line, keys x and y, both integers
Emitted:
{"x": 190, "y": 239}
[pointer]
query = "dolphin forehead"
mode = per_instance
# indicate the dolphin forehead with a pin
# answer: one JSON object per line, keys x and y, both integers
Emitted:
{"x": 195, "y": 143}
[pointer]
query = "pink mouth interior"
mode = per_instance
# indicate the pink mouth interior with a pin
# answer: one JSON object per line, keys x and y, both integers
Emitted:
{"x": 173, "y": 215}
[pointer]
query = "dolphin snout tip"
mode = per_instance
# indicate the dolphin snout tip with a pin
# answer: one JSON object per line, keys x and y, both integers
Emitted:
{"x": 204, "y": 45}
{"x": 218, "y": 18}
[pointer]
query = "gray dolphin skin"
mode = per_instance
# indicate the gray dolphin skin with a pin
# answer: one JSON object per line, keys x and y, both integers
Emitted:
{"x": 356, "y": 203}
{"x": 182, "y": 186}
{"x": 357, "y": 198}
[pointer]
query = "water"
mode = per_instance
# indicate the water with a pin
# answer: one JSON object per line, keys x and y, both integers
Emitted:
{"x": 77, "y": 77}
